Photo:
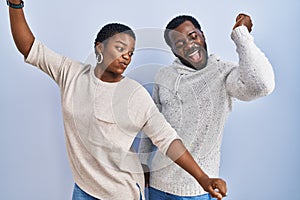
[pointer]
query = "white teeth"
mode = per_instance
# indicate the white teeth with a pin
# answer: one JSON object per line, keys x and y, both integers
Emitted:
{"x": 193, "y": 53}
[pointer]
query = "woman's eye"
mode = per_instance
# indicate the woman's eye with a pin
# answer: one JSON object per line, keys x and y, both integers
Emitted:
{"x": 120, "y": 49}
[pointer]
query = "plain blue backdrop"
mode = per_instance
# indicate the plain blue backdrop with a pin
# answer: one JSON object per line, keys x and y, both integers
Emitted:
{"x": 260, "y": 152}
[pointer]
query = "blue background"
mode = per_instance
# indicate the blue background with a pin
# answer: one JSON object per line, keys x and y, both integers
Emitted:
{"x": 260, "y": 152}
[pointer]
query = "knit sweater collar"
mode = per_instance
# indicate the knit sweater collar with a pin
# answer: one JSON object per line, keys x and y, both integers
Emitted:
{"x": 185, "y": 70}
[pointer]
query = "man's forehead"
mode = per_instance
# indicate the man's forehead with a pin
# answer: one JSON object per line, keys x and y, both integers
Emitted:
{"x": 183, "y": 30}
{"x": 174, "y": 34}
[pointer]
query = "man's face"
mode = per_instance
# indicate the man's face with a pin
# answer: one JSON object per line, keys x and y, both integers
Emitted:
{"x": 188, "y": 44}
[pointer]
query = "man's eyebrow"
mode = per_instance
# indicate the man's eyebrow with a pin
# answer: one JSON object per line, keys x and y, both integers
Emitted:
{"x": 192, "y": 33}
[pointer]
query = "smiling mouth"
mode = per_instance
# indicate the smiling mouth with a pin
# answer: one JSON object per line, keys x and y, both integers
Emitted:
{"x": 195, "y": 55}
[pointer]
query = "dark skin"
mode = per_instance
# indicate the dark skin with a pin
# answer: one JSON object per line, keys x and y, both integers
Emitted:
{"x": 189, "y": 45}
{"x": 117, "y": 52}
{"x": 243, "y": 20}
{"x": 20, "y": 30}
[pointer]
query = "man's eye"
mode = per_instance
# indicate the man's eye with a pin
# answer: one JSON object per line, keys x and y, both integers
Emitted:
{"x": 179, "y": 44}
{"x": 194, "y": 36}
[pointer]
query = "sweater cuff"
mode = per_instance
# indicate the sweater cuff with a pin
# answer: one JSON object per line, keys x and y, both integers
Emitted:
{"x": 241, "y": 35}
{"x": 33, "y": 53}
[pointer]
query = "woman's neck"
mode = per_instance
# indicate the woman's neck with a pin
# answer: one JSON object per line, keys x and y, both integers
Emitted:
{"x": 107, "y": 76}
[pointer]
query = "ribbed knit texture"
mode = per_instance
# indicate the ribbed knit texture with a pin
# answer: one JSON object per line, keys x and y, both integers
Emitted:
{"x": 101, "y": 120}
{"x": 197, "y": 104}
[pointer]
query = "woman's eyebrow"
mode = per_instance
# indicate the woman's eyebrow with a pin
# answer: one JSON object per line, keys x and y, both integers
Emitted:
{"x": 121, "y": 42}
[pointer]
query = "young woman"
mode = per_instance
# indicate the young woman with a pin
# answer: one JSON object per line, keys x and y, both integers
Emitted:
{"x": 103, "y": 111}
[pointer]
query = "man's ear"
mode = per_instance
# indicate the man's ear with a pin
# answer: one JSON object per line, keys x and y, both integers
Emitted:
{"x": 174, "y": 52}
{"x": 202, "y": 34}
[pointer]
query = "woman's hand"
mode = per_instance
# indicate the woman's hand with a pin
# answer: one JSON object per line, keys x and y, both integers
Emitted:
{"x": 15, "y": 1}
{"x": 215, "y": 186}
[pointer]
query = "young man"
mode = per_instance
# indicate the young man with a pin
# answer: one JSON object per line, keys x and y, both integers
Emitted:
{"x": 195, "y": 95}
{"x": 103, "y": 111}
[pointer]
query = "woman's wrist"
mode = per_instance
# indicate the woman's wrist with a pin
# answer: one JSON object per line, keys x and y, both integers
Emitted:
{"x": 203, "y": 180}
{"x": 16, "y": 4}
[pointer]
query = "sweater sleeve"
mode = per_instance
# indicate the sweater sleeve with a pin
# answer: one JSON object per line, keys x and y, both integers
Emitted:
{"x": 254, "y": 76}
{"x": 159, "y": 131}
{"x": 146, "y": 147}
{"x": 143, "y": 115}
{"x": 156, "y": 126}
{"x": 55, "y": 65}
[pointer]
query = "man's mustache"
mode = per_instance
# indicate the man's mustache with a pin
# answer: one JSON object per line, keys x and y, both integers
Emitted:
{"x": 194, "y": 48}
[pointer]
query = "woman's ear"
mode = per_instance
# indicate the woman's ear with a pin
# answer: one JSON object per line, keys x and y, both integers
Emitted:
{"x": 98, "y": 48}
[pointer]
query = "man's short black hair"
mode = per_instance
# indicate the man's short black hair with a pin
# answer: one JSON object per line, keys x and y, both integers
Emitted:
{"x": 112, "y": 29}
{"x": 175, "y": 22}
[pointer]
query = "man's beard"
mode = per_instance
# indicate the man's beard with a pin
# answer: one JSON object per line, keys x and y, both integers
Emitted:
{"x": 192, "y": 49}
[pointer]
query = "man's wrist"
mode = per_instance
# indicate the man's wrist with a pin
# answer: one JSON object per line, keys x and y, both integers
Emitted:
{"x": 15, "y": 4}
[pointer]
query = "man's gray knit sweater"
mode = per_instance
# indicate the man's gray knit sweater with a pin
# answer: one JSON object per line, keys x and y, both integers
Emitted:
{"x": 197, "y": 104}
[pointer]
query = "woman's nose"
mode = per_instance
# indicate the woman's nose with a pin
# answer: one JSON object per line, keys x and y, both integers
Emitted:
{"x": 126, "y": 56}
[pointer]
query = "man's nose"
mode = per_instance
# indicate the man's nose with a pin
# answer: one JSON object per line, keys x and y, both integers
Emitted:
{"x": 190, "y": 42}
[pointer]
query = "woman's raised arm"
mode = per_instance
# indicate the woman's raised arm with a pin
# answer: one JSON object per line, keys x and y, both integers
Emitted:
{"x": 20, "y": 30}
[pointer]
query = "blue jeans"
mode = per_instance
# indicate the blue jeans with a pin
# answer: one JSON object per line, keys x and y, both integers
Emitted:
{"x": 155, "y": 194}
{"x": 79, "y": 194}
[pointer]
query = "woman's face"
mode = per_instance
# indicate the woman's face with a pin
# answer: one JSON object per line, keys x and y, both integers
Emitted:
{"x": 117, "y": 52}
